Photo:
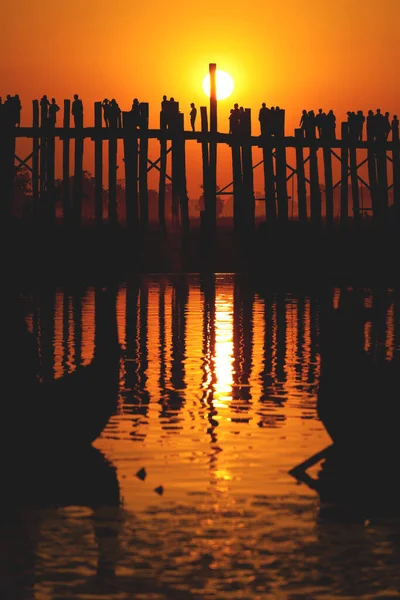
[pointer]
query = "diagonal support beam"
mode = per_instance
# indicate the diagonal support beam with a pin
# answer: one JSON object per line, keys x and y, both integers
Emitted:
{"x": 23, "y": 162}
{"x": 349, "y": 171}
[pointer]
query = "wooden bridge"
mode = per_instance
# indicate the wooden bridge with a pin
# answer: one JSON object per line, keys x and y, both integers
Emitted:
{"x": 382, "y": 157}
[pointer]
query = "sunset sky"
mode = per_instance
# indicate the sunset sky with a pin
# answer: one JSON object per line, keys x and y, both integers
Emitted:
{"x": 342, "y": 55}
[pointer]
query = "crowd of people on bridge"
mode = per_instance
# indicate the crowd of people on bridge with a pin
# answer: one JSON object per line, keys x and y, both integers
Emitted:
{"x": 272, "y": 120}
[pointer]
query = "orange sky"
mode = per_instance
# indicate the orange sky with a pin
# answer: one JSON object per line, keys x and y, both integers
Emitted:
{"x": 342, "y": 55}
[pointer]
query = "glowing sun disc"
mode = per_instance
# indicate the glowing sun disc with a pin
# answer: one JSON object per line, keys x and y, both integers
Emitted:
{"x": 225, "y": 85}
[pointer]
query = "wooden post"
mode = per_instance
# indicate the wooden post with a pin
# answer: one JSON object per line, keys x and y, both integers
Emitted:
{"x": 344, "y": 191}
{"x": 50, "y": 183}
{"x": 248, "y": 178}
{"x": 175, "y": 166}
{"x": 269, "y": 179}
{"x": 373, "y": 181}
{"x": 396, "y": 172}
{"x": 131, "y": 172}
{"x": 183, "y": 196}
{"x": 98, "y": 165}
{"x": 301, "y": 178}
{"x": 213, "y": 148}
{"x": 78, "y": 174}
{"x": 237, "y": 186}
{"x": 143, "y": 156}
{"x": 112, "y": 177}
{"x": 161, "y": 181}
{"x": 66, "y": 142}
{"x": 7, "y": 169}
{"x": 43, "y": 161}
{"x": 35, "y": 158}
{"x": 281, "y": 189}
{"x": 315, "y": 190}
{"x": 327, "y": 153}
{"x": 205, "y": 216}
{"x": 354, "y": 181}
{"x": 382, "y": 181}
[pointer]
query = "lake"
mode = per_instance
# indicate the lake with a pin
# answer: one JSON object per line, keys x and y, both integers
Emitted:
{"x": 217, "y": 404}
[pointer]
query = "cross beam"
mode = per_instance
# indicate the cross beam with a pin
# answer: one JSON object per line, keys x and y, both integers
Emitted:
{"x": 349, "y": 171}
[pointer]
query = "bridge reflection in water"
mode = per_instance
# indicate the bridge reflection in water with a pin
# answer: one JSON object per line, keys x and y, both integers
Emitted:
{"x": 218, "y": 403}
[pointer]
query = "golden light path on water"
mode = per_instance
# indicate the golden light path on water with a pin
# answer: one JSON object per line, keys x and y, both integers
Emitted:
{"x": 217, "y": 402}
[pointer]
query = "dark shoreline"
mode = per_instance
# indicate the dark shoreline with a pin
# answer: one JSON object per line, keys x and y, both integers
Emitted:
{"x": 288, "y": 255}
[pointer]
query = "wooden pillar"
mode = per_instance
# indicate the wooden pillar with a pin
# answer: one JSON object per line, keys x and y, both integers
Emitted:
{"x": 143, "y": 156}
{"x": 396, "y": 172}
{"x": 301, "y": 177}
{"x": 213, "y": 148}
{"x": 248, "y": 178}
{"x": 131, "y": 172}
{"x": 161, "y": 181}
{"x": 373, "y": 181}
{"x": 43, "y": 161}
{"x": 354, "y": 181}
{"x": 7, "y": 169}
{"x": 269, "y": 179}
{"x": 65, "y": 167}
{"x": 344, "y": 191}
{"x": 237, "y": 186}
{"x": 98, "y": 164}
{"x": 78, "y": 174}
{"x": 175, "y": 174}
{"x": 315, "y": 190}
{"x": 112, "y": 176}
{"x": 50, "y": 182}
{"x": 35, "y": 158}
{"x": 327, "y": 153}
{"x": 183, "y": 196}
{"x": 205, "y": 216}
{"x": 382, "y": 181}
{"x": 281, "y": 188}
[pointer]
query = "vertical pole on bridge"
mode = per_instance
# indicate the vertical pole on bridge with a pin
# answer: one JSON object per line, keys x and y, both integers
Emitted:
{"x": 35, "y": 158}
{"x": 248, "y": 178}
{"x": 301, "y": 178}
{"x": 131, "y": 172}
{"x": 98, "y": 165}
{"x": 162, "y": 178}
{"x": 354, "y": 180}
{"x": 213, "y": 148}
{"x": 396, "y": 171}
{"x": 65, "y": 167}
{"x": 205, "y": 216}
{"x": 344, "y": 190}
{"x": 143, "y": 156}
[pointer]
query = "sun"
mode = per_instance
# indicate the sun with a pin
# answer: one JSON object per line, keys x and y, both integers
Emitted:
{"x": 225, "y": 85}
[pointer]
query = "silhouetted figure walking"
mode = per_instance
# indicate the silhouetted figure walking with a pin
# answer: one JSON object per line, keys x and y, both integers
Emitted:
{"x": 352, "y": 125}
{"x": 310, "y": 126}
{"x": 193, "y": 115}
{"x": 106, "y": 111}
{"x": 279, "y": 128}
{"x": 53, "y": 110}
{"x": 234, "y": 119}
{"x": 379, "y": 126}
{"x": 44, "y": 110}
{"x": 77, "y": 111}
{"x": 135, "y": 110}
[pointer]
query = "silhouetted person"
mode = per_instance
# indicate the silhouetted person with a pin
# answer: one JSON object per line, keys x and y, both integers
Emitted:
{"x": 279, "y": 121}
{"x": 106, "y": 111}
{"x": 263, "y": 117}
{"x": 352, "y": 123}
{"x": 310, "y": 128}
{"x": 379, "y": 126}
{"x": 77, "y": 111}
{"x": 135, "y": 111}
{"x": 371, "y": 126}
{"x": 319, "y": 122}
{"x": 331, "y": 125}
{"x": 303, "y": 121}
{"x": 164, "y": 113}
{"x": 193, "y": 115}
{"x": 44, "y": 109}
{"x": 234, "y": 119}
{"x": 53, "y": 110}
{"x": 386, "y": 125}
{"x": 115, "y": 114}
{"x": 17, "y": 110}
{"x": 395, "y": 127}
{"x": 360, "y": 125}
